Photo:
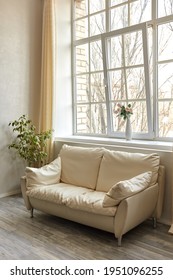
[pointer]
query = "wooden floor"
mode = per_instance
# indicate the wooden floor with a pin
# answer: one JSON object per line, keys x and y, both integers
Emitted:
{"x": 49, "y": 238}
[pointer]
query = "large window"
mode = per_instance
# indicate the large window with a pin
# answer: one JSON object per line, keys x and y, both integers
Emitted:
{"x": 123, "y": 53}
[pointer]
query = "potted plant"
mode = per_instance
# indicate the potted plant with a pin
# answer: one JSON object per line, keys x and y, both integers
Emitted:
{"x": 29, "y": 144}
{"x": 124, "y": 112}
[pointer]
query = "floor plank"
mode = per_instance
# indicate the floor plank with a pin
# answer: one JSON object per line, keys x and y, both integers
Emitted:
{"x": 48, "y": 237}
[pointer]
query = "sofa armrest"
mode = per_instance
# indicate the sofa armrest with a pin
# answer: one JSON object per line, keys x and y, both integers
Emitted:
{"x": 23, "y": 189}
{"x": 134, "y": 210}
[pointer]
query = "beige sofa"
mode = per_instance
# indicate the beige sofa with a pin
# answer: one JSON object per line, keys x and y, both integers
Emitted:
{"x": 109, "y": 190}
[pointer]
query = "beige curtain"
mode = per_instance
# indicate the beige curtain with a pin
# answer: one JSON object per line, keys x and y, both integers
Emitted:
{"x": 47, "y": 72}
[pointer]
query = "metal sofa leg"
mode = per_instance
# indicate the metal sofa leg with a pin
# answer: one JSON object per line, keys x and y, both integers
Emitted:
{"x": 119, "y": 241}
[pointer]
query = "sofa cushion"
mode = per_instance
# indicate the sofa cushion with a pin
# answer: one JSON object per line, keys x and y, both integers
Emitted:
{"x": 58, "y": 193}
{"x": 72, "y": 196}
{"x": 80, "y": 165}
{"x": 119, "y": 166}
{"x": 46, "y": 175}
{"x": 124, "y": 189}
{"x": 91, "y": 202}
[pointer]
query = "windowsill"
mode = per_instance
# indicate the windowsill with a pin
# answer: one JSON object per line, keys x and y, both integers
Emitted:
{"x": 139, "y": 144}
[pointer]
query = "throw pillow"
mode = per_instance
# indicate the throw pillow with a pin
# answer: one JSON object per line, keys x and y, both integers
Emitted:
{"x": 46, "y": 175}
{"x": 124, "y": 189}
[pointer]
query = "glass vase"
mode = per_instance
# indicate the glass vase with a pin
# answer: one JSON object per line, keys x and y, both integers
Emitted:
{"x": 128, "y": 132}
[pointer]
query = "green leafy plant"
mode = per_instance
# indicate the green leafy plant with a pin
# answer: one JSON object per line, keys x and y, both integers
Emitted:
{"x": 29, "y": 144}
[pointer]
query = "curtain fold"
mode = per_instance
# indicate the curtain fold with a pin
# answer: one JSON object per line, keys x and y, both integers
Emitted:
{"x": 47, "y": 73}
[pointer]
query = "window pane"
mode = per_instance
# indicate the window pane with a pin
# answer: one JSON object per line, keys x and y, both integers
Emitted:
{"x": 115, "y": 53}
{"x": 97, "y": 24}
{"x": 96, "y": 5}
{"x": 117, "y": 84}
{"x": 92, "y": 119}
{"x": 81, "y": 28}
{"x": 81, "y": 8}
{"x": 165, "y": 7}
{"x": 136, "y": 83}
{"x": 82, "y": 65}
{"x": 83, "y": 119}
{"x": 165, "y": 41}
{"x": 98, "y": 119}
{"x": 119, "y": 17}
{"x": 97, "y": 87}
{"x": 133, "y": 45}
{"x": 139, "y": 117}
{"x": 140, "y": 11}
{"x": 96, "y": 56}
{"x": 118, "y": 123}
{"x": 165, "y": 80}
{"x": 82, "y": 88}
{"x": 166, "y": 119}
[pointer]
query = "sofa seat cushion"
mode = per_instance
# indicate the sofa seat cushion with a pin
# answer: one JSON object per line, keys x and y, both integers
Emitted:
{"x": 91, "y": 202}
{"x": 80, "y": 165}
{"x": 72, "y": 196}
{"x": 119, "y": 166}
{"x": 126, "y": 188}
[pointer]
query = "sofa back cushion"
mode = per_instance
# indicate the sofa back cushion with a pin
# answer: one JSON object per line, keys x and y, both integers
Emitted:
{"x": 80, "y": 165}
{"x": 46, "y": 175}
{"x": 119, "y": 166}
{"x": 126, "y": 188}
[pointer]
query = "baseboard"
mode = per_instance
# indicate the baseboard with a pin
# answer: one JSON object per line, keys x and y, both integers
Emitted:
{"x": 10, "y": 193}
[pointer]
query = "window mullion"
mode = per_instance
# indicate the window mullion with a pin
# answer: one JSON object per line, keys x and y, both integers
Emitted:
{"x": 124, "y": 66}
{"x": 107, "y": 5}
{"x": 155, "y": 81}
{"x": 106, "y": 82}
{"x": 147, "y": 80}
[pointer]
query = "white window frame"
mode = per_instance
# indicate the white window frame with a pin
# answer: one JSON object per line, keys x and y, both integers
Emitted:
{"x": 140, "y": 27}
{"x": 156, "y": 63}
{"x": 152, "y": 107}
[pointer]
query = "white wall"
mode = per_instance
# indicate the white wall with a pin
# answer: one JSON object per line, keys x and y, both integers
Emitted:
{"x": 20, "y": 58}
{"x": 20, "y": 63}
{"x": 63, "y": 85}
